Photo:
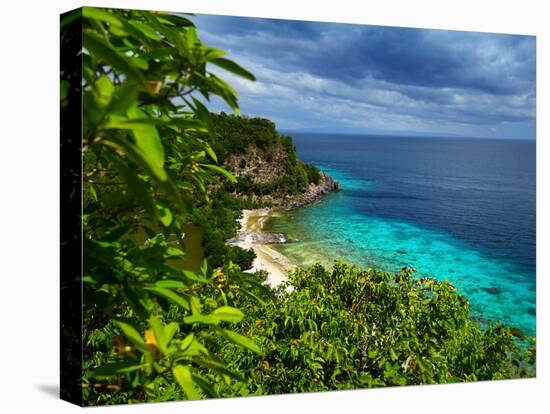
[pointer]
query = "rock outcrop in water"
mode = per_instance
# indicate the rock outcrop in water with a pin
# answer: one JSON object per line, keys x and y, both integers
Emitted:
{"x": 493, "y": 290}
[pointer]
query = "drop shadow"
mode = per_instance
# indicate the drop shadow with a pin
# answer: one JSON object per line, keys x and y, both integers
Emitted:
{"x": 51, "y": 390}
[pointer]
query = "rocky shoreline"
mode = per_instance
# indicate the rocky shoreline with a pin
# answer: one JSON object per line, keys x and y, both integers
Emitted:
{"x": 313, "y": 193}
{"x": 250, "y": 234}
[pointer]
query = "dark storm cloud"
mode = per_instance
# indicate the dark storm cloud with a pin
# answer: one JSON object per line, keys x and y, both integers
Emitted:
{"x": 477, "y": 78}
{"x": 432, "y": 59}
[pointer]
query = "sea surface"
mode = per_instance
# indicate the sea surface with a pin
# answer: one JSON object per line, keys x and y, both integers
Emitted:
{"x": 456, "y": 209}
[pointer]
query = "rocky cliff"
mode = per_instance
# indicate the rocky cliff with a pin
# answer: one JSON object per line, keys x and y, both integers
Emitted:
{"x": 268, "y": 170}
{"x": 313, "y": 192}
{"x": 261, "y": 166}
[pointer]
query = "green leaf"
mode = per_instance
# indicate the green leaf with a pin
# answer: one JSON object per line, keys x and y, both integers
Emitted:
{"x": 159, "y": 27}
{"x": 422, "y": 365}
{"x": 212, "y": 53}
{"x": 193, "y": 277}
{"x": 187, "y": 342}
{"x": 204, "y": 319}
{"x": 132, "y": 334}
{"x": 175, "y": 122}
{"x": 178, "y": 19}
{"x": 203, "y": 114}
{"x": 165, "y": 215}
{"x": 172, "y": 251}
{"x": 93, "y": 192}
{"x": 117, "y": 368}
{"x": 210, "y": 151}
{"x": 196, "y": 305}
{"x": 137, "y": 187}
{"x": 182, "y": 374}
{"x": 224, "y": 90}
{"x": 148, "y": 142}
{"x": 63, "y": 90}
{"x": 103, "y": 91}
{"x": 98, "y": 48}
{"x": 222, "y": 314}
{"x": 241, "y": 341}
{"x": 252, "y": 296}
{"x": 220, "y": 170}
{"x": 219, "y": 367}
{"x": 124, "y": 97}
{"x": 167, "y": 185}
{"x": 228, "y": 314}
{"x": 116, "y": 233}
{"x": 163, "y": 333}
{"x": 89, "y": 279}
{"x": 205, "y": 385}
{"x": 171, "y": 284}
{"x": 159, "y": 53}
{"x": 191, "y": 38}
{"x": 170, "y": 295}
{"x": 147, "y": 152}
{"x": 232, "y": 67}
{"x": 191, "y": 347}
{"x": 144, "y": 28}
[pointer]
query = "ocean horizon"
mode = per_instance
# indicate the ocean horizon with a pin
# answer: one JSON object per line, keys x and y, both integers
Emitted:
{"x": 399, "y": 135}
{"x": 457, "y": 209}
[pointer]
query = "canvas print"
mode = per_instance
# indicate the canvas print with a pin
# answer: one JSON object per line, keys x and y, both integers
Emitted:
{"x": 254, "y": 206}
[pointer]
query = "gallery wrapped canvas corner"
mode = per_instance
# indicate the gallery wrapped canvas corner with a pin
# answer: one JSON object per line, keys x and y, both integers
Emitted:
{"x": 254, "y": 206}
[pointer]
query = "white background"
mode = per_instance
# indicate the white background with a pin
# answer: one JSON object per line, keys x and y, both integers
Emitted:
{"x": 29, "y": 191}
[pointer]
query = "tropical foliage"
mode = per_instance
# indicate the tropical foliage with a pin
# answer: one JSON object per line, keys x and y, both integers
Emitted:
{"x": 146, "y": 165}
{"x": 349, "y": 328}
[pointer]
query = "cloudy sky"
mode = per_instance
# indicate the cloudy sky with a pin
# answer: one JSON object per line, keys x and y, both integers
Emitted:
{"x": 369, "y": 79}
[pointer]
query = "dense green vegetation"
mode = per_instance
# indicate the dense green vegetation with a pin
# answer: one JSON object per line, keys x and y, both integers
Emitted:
{"x": 237, "y": 135}
{"x": 146, "y": 174}
{"x": 349, "y": 328}
{"x": 154, "y": 331}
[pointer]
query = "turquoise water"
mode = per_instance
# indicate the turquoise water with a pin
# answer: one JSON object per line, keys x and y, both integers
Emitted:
{"x": 339, "y": 227}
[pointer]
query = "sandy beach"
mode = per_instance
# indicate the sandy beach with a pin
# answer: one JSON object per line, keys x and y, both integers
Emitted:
{"x": 249, "y": 237}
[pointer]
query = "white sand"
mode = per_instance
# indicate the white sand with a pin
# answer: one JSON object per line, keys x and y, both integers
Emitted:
{"x": 267, "y": 258}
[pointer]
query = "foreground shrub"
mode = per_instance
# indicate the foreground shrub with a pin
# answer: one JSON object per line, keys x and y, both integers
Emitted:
{"x": 354, "y": 328}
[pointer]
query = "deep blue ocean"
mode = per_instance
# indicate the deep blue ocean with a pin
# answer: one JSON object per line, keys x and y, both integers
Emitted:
{"x": 456, "y": 209}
